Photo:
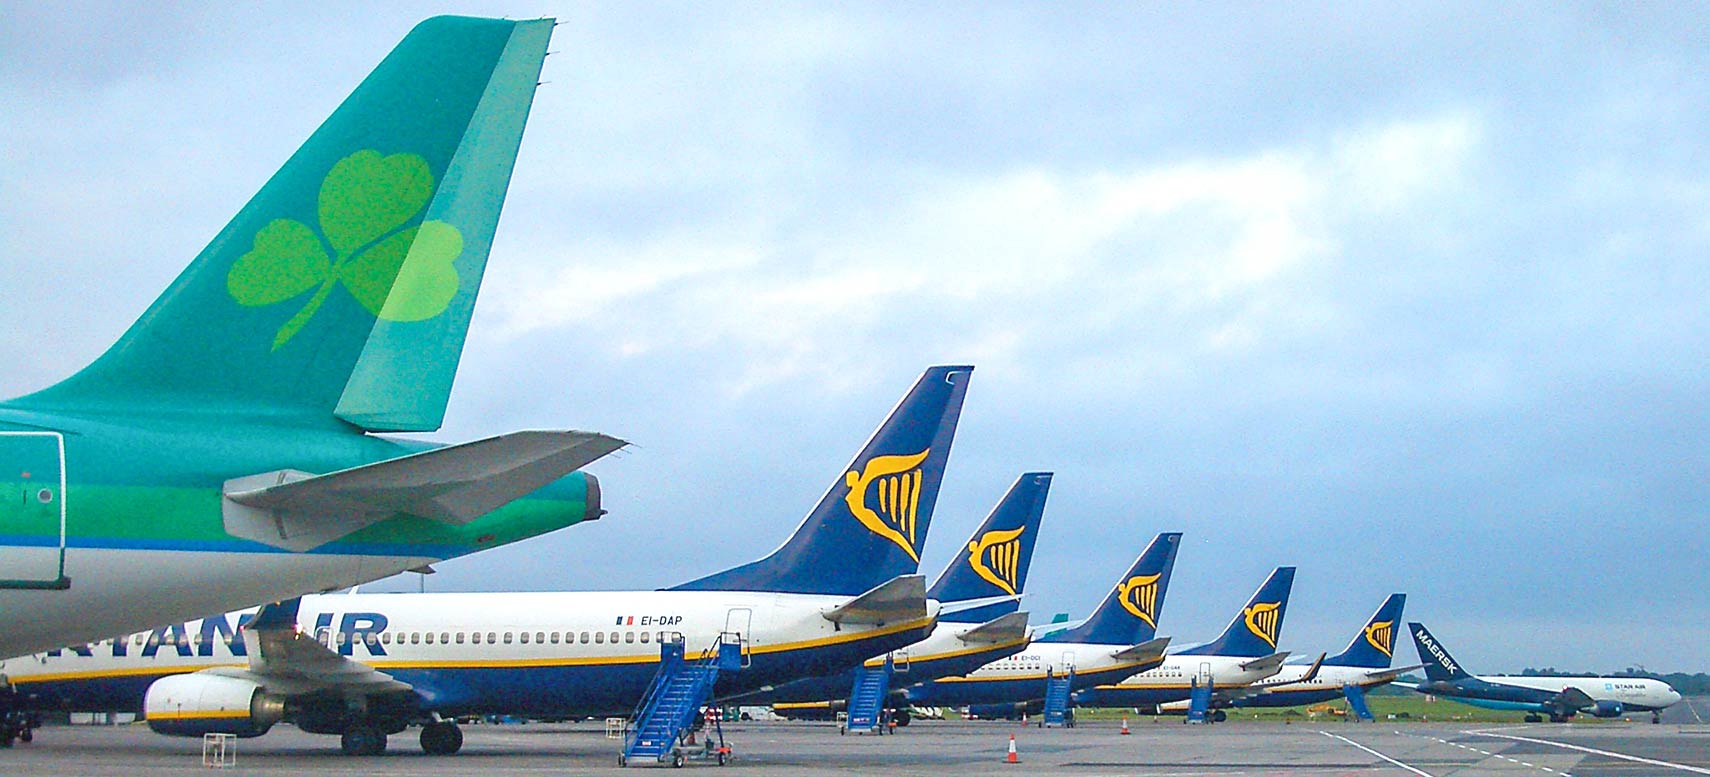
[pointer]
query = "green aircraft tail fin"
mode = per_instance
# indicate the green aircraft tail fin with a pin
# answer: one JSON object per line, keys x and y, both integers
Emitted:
{"x": 345, "y": 286}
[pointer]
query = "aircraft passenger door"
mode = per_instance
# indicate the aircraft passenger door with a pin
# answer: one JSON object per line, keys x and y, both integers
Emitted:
{"x": 899, "y": 660}
{"x": 1204, "y": 675}
{"x": 32, "y": 510}
{"x": 1068, "y": 663}
{"x": 737, "y": 623}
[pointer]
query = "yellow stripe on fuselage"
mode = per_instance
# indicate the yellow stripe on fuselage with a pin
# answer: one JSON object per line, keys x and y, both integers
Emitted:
{"x": 1129, "y": 668}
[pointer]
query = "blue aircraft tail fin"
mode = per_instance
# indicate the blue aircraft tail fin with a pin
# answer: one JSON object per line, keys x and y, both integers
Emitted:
{"x": 1255, "y": 631}
{"x": 868, "y": 528}
{"x": 1374, "y": 646}
{"x": 1439, "y": 665}
{"x": 989, "y": 573}
{"x": 1129, "y": 615}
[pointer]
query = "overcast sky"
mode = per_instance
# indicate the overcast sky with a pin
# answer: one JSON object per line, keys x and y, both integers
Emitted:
{"x": 1414, "y": 299}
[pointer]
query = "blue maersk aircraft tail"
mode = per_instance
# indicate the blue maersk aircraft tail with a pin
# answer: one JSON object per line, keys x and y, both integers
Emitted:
{"x": 1119, "y": 639}
{"x": 980, "y": 595}
{"x": 841, "y": 590}
{"x": 1560, "y": 698}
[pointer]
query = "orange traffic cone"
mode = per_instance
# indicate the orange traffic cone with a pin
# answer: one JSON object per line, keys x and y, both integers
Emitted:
{"x": 1012, "y": 758}
{"x": 1125, "y": 725}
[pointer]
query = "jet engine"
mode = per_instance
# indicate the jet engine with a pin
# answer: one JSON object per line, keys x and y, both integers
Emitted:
{"x": 190, "y": 705}
{"x": 1607, "y": 709}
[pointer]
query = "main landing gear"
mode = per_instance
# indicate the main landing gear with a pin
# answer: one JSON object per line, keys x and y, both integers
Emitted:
{"x": 363, "y": 739}
{"x": 441, "y": 737}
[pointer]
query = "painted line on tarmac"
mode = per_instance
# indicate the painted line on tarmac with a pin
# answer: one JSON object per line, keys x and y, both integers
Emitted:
{"x": 1376, "y": 753}
{"x": 1486, "y": 753}
{"x": 1595, "y": 751}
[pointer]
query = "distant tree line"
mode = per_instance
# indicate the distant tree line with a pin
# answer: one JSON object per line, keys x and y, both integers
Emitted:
{"x": 1688, "y": 684}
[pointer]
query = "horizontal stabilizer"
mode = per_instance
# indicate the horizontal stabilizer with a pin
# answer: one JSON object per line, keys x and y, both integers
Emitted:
{"x": 1388, "y": 675}
{"x": 1150, "y": 650}
{"x": 1270, "y": 663}
{"x": 455, "y": 484}
{"x": 1006, "y": 628}
{"x": 901, "y": 598}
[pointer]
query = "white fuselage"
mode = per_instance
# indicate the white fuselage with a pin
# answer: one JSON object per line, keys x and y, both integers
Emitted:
{"x": 1634, "y": 692}
{"x": 603, "y": 645}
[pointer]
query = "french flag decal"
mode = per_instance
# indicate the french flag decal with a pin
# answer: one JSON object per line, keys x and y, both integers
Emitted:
{"x": 622, "y": 621}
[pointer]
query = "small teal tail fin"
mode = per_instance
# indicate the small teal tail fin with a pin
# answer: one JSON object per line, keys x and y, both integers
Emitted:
{"x": 1256, "y": 630}
{"x": 868, "y": 528}
{"x": 1129, "y": 615}
{"x": 987, "y": 577}
{"x": 344, "y": 287}
{"x": 1374, "y": 646}
{"x": 1439, "y": 665}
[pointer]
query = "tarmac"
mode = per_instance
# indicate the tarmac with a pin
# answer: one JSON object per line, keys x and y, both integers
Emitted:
{"x": 941, "y": 748}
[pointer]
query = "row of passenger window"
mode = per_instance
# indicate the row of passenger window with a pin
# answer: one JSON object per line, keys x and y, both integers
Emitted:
{"x": 507, "y": 637}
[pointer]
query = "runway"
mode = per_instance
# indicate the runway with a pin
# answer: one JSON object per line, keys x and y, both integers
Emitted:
{"x": 940, "y": 748}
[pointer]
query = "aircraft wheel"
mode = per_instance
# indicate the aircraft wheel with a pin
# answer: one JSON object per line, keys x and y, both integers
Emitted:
{"x": 1534, "y": 719}
{"x": 903, "y": 718}
{"x": 27, "y": 735}
{"x": 362, "y": 739}
{"x": 1219, "y": 716}
{"x": 441, "y": 738}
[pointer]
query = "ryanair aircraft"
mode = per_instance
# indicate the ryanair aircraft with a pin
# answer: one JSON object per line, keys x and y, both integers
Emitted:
{"x": 225, "y": 450}
{"x": 980, "y": 593}
{"x": 1364, "y": 664}
{"x": 1560, "y": 698}
{"x": 1118, "y": 640}
{"x": 1244, "y": 654}
{"x": 842, "y": 589}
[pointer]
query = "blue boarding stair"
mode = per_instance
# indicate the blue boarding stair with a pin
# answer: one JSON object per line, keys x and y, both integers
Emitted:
{"x": 1357, "y": 701}
{"x": 867, "y": 699}
{"x": 1199, "y": 700}
{"x": 673, "y": 702}
{"x": 1057, "y": 690}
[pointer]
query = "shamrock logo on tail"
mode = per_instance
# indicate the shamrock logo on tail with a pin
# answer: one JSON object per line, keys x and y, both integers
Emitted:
{"x": 395, "y": 272}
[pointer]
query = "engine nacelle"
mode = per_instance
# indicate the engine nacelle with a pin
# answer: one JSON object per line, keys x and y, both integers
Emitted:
{"x": 190, "y": 705}
{"x": 1607, "y": 709}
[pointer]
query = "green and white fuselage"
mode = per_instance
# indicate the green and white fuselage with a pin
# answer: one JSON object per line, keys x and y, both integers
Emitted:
{"x": 226, "y": 450}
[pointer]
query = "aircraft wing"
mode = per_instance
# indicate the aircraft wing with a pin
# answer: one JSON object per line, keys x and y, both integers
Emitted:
{"x": 1006, "y": 628}
{"x": 901, "y": 598}
{"x": 1272, "y": 662}
{"x": 1571, "y": 699}
{"x": 1150, "y": 650}
{"x": 455, "y": 484}
{"x": 288, "y": 662}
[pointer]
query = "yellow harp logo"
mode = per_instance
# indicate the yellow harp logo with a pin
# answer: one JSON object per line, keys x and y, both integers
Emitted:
{"x": 1262, "y": 621}
{"x": 895, "y": 483}
{"x": 1139, "y": 595}
{"x": 1381, "y": 634}
{"x": 996, "y": 557}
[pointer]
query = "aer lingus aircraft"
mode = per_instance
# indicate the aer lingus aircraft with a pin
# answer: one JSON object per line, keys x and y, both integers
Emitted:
{"x": 841, "y": 589}
{"x": 1559, "y": 698}
{"x": 222, "y": 453}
